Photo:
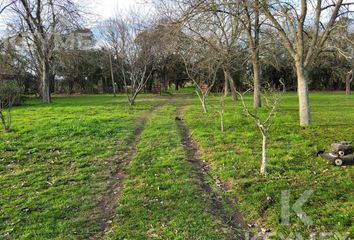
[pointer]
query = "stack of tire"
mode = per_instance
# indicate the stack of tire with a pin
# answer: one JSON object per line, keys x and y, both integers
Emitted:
{"x": 342, "y": 152}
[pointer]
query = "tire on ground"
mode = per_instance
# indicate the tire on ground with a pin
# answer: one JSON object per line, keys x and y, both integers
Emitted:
{"x": 338, "y": 162}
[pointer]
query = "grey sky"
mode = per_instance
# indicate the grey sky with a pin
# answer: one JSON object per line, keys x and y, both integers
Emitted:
{"x": 103, "y": 8}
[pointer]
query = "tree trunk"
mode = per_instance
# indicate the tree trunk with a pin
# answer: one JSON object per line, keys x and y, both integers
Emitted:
{"x": 131, "y": 100}
{"x": 348, "y": 81}
{"x": 303, "y": 94}
{"x": 264, "y": 154}
{"x": 226, "y": 84}
{"x": 229, "y": 82}
{"x": 233, "y": 88}
{"x": 222, "y": 112}
{"x": 255, "y": 60}
{"x": 52, "y": 82}
{"x": 2, "y": 117}
{"x": 204, "y": 104}
{"x": 112, "y": 75}
{"x": 6, "y": 118}
{"x": 165, "y": 79}
{"x": 133, "y": 97}
{"x": 202, "y": 99}
{"x": 45, "y": 83}
{"x": 105, "y": 84}
{"x": 347, "y": 87}
{"x": 256, "y": 82}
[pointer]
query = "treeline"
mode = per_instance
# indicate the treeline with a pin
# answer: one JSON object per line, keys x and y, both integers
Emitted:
{"x": 219, "y": 45}
{"x": 88, "y": 71}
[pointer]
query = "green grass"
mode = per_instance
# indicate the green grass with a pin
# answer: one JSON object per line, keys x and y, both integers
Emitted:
{"x": 235, "y": 158}
{"x": 54, "y": 164}
{"x": 162, "y": 198}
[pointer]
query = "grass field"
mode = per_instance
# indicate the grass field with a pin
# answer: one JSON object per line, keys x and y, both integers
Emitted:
{"x": 235, "y": 159}
{"x": 54, "y": 164}
{"x": 57, "y": 165}
{"x": 161, "y": 199}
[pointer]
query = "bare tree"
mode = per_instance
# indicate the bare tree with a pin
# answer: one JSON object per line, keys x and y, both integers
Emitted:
{"x": 39, "y": 21}
{"x": 211, "y": 22}
{"x": 201, "y": 68}
{"x": 342, "y": 42}
{"x": 133, "y": 44}
{"x": 114, "y": 35}
{"x": 272, "y": 99}
{"x": 251, "y": 22}
{"x": 290, "y": 22}
{"x": 247, "y": 13}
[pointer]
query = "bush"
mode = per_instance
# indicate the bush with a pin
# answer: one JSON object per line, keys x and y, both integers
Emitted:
{"x": 10, "y": 93}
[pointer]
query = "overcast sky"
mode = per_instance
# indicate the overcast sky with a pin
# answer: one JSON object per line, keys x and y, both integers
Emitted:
{"x": 104, "y": 8}
{"x": 107, "y": 8}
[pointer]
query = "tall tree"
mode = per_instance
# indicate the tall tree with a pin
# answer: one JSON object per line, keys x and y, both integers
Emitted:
{"x": 211, "y": 22}
{"x": 113, "y": 32}
{"x": 343, "y": 43}
{"x": 251, "y": 22}
{"x": 166, "y": 37}
{"x": 41, "y": 21}
{"x": 304, "y": 43}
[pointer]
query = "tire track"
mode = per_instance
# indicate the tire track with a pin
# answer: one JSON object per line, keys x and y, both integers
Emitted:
{"x": 214, "y": 191}
{"x": 121, "y": 161}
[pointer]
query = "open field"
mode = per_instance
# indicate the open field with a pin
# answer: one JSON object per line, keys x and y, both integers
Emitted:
{"x": 59, "y": 165}
{"x": 57, "y": 162}
{"x": 235, "y": 156}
